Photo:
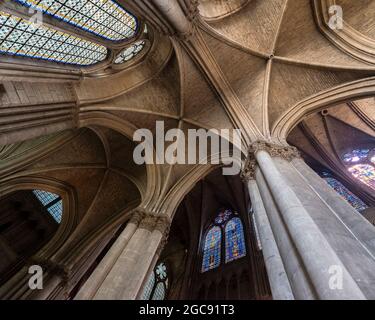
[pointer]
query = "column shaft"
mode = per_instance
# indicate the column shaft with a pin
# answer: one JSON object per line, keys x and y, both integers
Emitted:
{"x": 278, "y": 278}
{"x": 92, "y": 285}
{"x": 315, "y": 251}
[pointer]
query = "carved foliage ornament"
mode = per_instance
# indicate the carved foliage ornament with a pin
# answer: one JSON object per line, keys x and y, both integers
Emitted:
{"x": 276, "y": 151}
{"x": 150, "y": 221}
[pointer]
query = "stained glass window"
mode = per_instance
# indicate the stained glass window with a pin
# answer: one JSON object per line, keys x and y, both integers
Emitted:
{"x": 364, "y": 173}
{"x": 19, "y": 37}
{"x": 234, "y": 240}
{"x": 212, "y": 249}
{"x": 104, "y": 18}
{"x": 346, "y": 194}
{"x": 227, "y": 232}
{"x": 157, "y": 283}
{"x": 356, "y": 155}
{"x": 45, "y": 197}
{"x": 52, "y": 202}
{"x": 130, "y": 52}
{"x": 223, "y": 216}
{"x": 159, "y": 293}
{"x": 149, "y": 287}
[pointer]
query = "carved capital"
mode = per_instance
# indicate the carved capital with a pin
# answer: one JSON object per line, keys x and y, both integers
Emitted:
{"x": 148, "y": 222}
{"x": 163, "y": 225}
{"x": 137, "y": 217}
{"x": 153, "y": 221}
{"x": 286, "y": 152}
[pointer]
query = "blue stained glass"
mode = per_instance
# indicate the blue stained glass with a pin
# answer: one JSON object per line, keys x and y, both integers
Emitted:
{"x": 357, "y": 203}
{"x": 212, "y": 249}
{"x": 56, "y": 211}
{"x": 19, "y": 37}
{"x": 364, "y": 173}
{"x": 223, "y": 216}
{"x": 50, "y": 201}
{"x": 234, "y": 240}
{"x": 45, "y": 197}
{"x": 104, "y": 18}
{"x": 356, "y": 155}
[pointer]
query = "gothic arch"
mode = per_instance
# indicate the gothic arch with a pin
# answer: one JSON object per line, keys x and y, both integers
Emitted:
{"x": 348, "y": 39}
{"x": 349, "y": 91}
{"x": 219, "y": 9}
{"x": 69, "y": 197}
{"x": 104, "y": 119}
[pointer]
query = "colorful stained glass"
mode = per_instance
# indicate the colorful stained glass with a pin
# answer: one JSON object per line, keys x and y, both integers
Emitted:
{"x": 212, "y": 249}
{"x": 52, "y": 202}
{"x": 223, "y": 216}
{"x": 130, "y": 52}
{"x": 357, "y": 203}
{"x": 234, "y": 240}
{"x": 356, "y": 155}
{"x": 104, "y": 18}
{"x": 364, "y": 173}
{"x": 19, "y": 37}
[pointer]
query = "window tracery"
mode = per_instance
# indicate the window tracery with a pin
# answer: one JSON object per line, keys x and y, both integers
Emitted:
{"x": 157, "y": 283}
{"x": 226, "y": 233}
{"x": 105, "y": 20}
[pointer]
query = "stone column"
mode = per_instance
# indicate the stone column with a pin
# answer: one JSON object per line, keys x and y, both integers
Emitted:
{"x": 126, "y": 271}
{"x": 92, "y": 285}
{"x": 174, "y": 13}
{"x": 278, "y": 279}
{"x": 316, "y": 237}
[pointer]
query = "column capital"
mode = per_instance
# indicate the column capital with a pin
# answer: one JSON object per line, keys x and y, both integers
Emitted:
{"x": 151, "y": 221}
{"x": 275, "y": 150}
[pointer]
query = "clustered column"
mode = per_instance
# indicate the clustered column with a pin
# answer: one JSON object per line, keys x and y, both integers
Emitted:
{"x": 306, "y": 245}
{"x": 122, "y": 272}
